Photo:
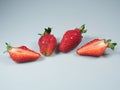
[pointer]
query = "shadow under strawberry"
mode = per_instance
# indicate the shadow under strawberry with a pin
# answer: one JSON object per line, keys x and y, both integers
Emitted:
{"x": 57, "y": 49}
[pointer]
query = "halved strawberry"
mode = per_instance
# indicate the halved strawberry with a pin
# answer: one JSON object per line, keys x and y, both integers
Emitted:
{"x": 96, "y": 47}
{"x": 22, "y": 53}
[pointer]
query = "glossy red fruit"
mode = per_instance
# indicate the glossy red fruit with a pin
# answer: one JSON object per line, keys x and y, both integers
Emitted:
{"x": 71, "y": 39}
{"x": 22, "y": 54}
{"x": 95, "y": 47}
{"x": 47, "y": 42}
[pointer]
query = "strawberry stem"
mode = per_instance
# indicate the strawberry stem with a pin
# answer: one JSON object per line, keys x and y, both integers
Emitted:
{"x": 8, "y": 46}
{"x": 82, "y": 28}
{"x": 47, "y": 31}
{"x": 110, "y": 45}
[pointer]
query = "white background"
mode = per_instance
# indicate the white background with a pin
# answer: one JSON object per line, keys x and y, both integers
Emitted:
{"x": 22, "y": 20}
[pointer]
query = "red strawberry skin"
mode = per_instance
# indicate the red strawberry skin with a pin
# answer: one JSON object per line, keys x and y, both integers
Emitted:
{"x": 70, "y": 40}
{"x": 95, "y": 48}
{"x": 22, "y": 54}
{"x": 47, "y": 43}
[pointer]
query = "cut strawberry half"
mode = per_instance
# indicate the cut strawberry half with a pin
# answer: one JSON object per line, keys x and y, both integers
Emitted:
{"x": 96, "y": 47}
{"x": 22, "y": 53}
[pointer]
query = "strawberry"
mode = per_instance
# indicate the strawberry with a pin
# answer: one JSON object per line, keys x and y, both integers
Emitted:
{"x": 22, "y": 54}
{"x": 71, "y": 39}
{"x": 95, "y": 47}
{"x": 47, "y": 42}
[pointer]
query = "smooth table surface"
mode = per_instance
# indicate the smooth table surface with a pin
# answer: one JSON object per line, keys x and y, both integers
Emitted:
{"x": 22, "y": 20}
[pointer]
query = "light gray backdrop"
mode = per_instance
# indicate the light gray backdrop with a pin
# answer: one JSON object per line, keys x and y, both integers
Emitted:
{"x": 22, "y": 20}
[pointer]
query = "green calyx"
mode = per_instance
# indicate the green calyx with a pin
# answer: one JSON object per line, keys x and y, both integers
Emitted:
{"x": 82, "y": 28}
{"x": 8, "y": 46}
{"x": 110, "y": 45}
{"x": 47, "y": 31}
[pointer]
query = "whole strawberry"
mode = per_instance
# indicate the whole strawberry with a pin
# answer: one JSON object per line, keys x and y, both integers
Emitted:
{"x": 95, "y": 47}
{"x": 47, "y": 42}
{"x": 22, "y": 54}
{"x": 71, "y": 39}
